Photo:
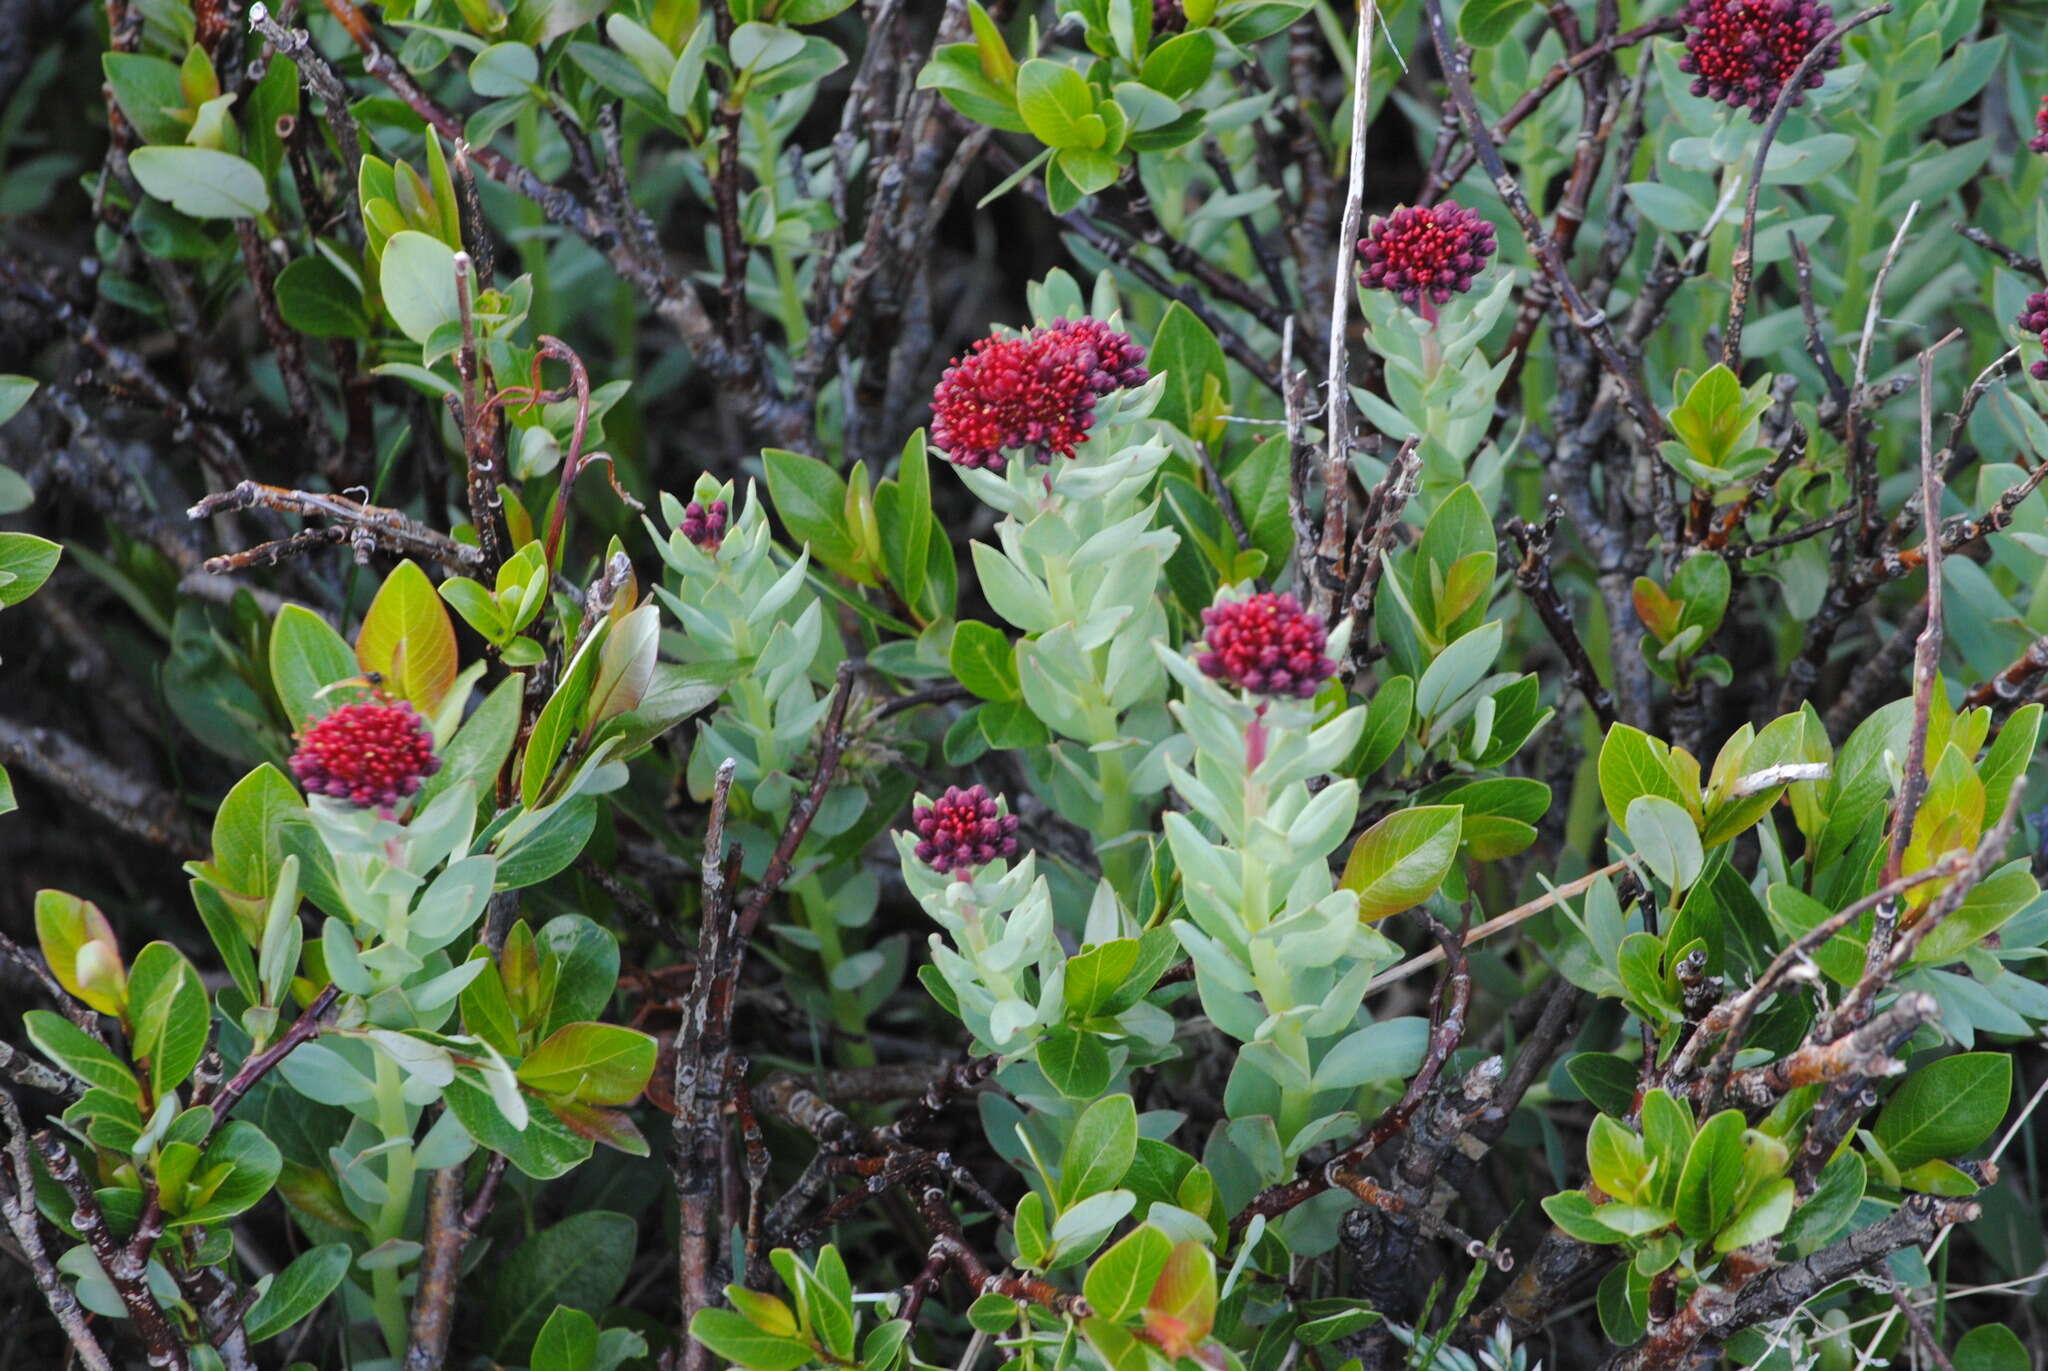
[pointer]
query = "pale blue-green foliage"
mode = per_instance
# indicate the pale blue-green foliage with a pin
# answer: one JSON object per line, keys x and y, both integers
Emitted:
{"x": 1281, "y": 957}
{"x": 406, "y": 893}
{"x": 1441, "y": 385}
{"x": 1004, "y": 961}
{"x": 1001, "y": 956}
{"x": 748, "y": 618}
{"x": 1070, "y": 1028}
{"x": 1076, "y": 565}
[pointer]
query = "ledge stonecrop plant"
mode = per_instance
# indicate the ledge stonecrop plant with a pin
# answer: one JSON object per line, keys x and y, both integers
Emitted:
{"x": 425, "y": 1035}
{"x": 1076, "y": 567}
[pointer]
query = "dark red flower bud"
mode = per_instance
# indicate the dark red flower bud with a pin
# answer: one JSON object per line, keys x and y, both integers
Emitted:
{"x": 373, "y": 754}
{"x": 1742, "y": 52}
{"x": 2034, "y": 319}
{"x": 1266, "y": 644}
{"x": 1037, "y": 391}
{"x": 704, "y": 524}
{"x": 2039, "y": 142}
{"x": 1095, "y": 354}
{"x": 1425, "y": 255}
{"x": 962, "y": 831}
{"x": 1168, "y": 16}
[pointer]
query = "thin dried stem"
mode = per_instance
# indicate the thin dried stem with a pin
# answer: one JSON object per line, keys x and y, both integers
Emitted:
{"x": 370, "y": 527}
{"x": 1337, "y": 374}
{"x": 1926, "y": 666}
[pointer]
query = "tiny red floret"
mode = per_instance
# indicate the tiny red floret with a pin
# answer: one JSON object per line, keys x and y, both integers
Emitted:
{"x": 962, "y": 831}
{"x": 1266, "y": 644}
{"x": 704, "y": 524}
{"x": 2039, "y": 142}
{"x": 1425, "y": 255}
{"x": 2034, "y": 319}
{"x": 1742, "y": 52}
{"x": 372, "y": 754}
{"x": 1036, "y": 392}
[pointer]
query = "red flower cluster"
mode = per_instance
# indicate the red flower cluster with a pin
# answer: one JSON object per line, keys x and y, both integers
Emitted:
{"x": 1267, "y": 644}
{"x": 963, "y": 830}
{"x": 1425, "y": 255}
{"x": 1037, "y": 391}
{"x": 704, "y": 524}
{"x": 371, "y": 754}
{"x": 1742, "y": 52}
{"x": 2034, "y": 319}
{"x": 2039, "y": 142}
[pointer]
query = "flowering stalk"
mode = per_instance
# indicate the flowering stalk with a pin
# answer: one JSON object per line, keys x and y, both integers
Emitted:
{"x": 1281, "y": 955}
{"x": 1076, "y": 564}
{"x": 1068, "y": 1025}
{"x": 396, "y": 1123}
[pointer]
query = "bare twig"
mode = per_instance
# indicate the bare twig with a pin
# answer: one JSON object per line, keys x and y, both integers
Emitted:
{"x": 123, "y": 1267}
{"x": 701, "y": 1046}
{"x": 123, "y": 799}
{"x": 1499, "y": 923}
{"x": 1378, "y": 526}
{"x": 1760, "y": 488}
{"x": 1322, "y": 594}
{"x": 320, "y": 79}
{"x": 1917, "y": 1321}
{"x": 479, "y": 424}
{"x": 449, "y": 1227}
{"x": 1530, "y": 100}
{"x": 1533, "y": 576}
{"x": 1926, "y": 666}
{"x": 831, "y": 743}
{"x": 1918, "y": 1219}
{"x": 305, "y": 1027}
{"x": 1816, "y": 347}
{"x": 2011, "y": 256}
{"x": 1862, "y": 473}
{"x": 1453, "y": 999}
{"x": 1732, "y": 1017}
{"x": 18, "y": 1208}
{"x": 371, "y": 527}
{"x": 948, "y": 1241}
{"x": 1590, "y": 321}
{"x": 2012, "y": 682}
